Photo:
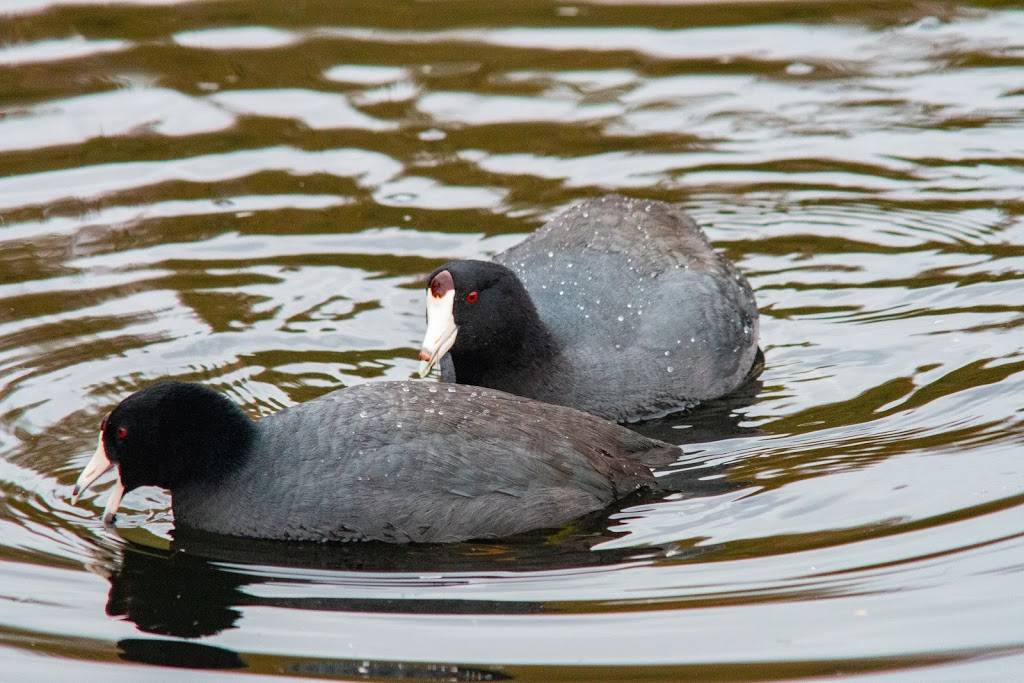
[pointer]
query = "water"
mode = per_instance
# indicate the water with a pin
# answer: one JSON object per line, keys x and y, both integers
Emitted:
{"x": 249, "y": 193}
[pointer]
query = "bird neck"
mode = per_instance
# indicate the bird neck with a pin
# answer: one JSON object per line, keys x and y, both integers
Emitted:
{"x": 523, "y": 355}
{"x": 211, "y": 450}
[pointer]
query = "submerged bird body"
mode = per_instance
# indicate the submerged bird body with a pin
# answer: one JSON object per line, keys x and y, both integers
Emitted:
{"x": 624, "y": 310}
{"x": 389, "y": 461}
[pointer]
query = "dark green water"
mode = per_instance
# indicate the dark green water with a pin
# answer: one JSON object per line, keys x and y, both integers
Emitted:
{"x": 247, "y": 193}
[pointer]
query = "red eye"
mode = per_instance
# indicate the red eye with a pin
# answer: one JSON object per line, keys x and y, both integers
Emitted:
{"x": 122, "y": 432}
{"x": 472, "y": 297}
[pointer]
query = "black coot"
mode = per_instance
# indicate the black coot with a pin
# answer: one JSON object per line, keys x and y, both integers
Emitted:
{"x": 618, "y": 307}
{"x": 389, "y": 461}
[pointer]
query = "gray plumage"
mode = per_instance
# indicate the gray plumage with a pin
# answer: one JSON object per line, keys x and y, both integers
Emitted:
{"x": 647, "y": 317}
{"x": 417, "y": 461}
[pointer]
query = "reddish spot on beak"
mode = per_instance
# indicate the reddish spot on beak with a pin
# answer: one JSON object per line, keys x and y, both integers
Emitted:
{"x": 441, "y": 284}
{"x": 424, "y": 356}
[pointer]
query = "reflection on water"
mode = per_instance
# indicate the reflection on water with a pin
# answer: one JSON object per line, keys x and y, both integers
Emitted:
{"x": 249, "y": 194}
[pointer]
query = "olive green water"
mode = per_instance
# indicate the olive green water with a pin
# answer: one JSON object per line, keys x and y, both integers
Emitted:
{"x": 247, "y": 193}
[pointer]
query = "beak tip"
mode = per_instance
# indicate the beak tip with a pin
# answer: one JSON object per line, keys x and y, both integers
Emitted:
{"x": 109, "y": 518}
{"x": 74, "y": 495}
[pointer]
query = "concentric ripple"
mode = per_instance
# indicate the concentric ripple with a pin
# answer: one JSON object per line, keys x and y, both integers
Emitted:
{"x": 249, "y": 194}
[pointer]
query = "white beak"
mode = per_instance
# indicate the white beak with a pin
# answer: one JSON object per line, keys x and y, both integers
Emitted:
{"x": 98, "y": 464}
{"x": 441, "y": 330}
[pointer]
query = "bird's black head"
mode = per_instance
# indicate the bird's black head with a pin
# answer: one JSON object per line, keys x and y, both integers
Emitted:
{"x": 482, "y": 313}
{"x": 168, "y": 434}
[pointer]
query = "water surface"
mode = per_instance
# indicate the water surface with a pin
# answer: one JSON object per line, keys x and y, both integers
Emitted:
{"x": 248, "y": 194}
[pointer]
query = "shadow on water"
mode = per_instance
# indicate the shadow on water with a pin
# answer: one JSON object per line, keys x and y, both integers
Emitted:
{"x": 201, "y": 586}
{"x": 716, "y": 420}
{"x": 194, "y": 588}
{"x": 190, "y": 655}
{"x": 177, "y": 653}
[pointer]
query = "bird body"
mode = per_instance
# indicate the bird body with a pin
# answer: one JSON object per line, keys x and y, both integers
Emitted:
{"x": 388, "y": 461}
{"x": 629, "y": 314}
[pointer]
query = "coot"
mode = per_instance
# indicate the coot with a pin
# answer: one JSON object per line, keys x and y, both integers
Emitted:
{"x": 389, "y": 461}
{"x": 619, "y": 307}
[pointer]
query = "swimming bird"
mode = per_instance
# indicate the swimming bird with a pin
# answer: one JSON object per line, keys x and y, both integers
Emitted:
{"x": 618, "y": 307}
{"x": 388, "y": 461}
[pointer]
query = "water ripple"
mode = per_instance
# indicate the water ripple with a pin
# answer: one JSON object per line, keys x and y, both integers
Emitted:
{"x": 249, "y": 194}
